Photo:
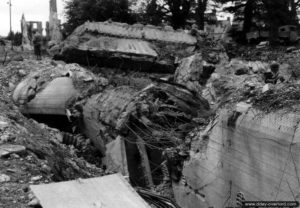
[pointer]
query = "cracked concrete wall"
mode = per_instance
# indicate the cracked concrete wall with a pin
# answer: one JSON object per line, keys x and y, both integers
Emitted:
{"x": 257, "y": 155}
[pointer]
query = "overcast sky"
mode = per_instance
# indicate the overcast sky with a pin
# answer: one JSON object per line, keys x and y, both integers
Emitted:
{"x": 34, "y": 10}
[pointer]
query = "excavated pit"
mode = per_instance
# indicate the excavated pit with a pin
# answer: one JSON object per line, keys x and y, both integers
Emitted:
{"x": 59, "y": 122}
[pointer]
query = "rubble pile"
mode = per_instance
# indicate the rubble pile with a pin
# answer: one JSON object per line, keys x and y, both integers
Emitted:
{"x": 144, "y": 126}
{"x": 149, "y": 121}
{"x": 285, "y": 96}
{"x": 150, "y": 115}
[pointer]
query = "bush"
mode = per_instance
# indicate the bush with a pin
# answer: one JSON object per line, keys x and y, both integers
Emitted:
{"x": 16, "y": 38}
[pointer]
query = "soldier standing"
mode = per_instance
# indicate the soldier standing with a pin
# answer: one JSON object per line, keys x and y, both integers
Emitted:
{"x": 37, "y": 43}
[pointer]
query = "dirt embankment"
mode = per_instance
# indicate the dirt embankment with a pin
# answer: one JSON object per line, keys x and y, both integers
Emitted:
{"x": 44, "y": 159}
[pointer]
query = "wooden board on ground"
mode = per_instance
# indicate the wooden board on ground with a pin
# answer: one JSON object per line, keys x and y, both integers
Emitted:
{"x": 111, "y": 191}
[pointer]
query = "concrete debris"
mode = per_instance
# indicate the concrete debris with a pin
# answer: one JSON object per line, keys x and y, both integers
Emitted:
{"x": 193, "y": 72}
{"x": 291, "y": 49}
{"x": 7, "y": 149}
{"x": 4, "y": 178}
{"x": 263, "y": 44}
{"x": 117, "y": 45}
{"x": 36, "y": 178}
{"x": 34, "y": 203}
{"x": 242, "y": 107}
{"x": 137, "y": 31}
{"x": 156, "y": 200}
{"x": 38, "y": 92}
{"x": 189, "y": 72}
{"x": 265, "y": 88}
{"x": 150, "y": 117}
{"x": 177, "y": 134}
{"x": 115, "y": 157}
{"x": 108, "y": 191}
{"x": 3, "y": 124}
{"x": 239, "y": 67}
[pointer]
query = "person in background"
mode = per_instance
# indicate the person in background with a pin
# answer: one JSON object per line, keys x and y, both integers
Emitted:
{"x": 37, "y": 43}
{"x": 273, "y": 76}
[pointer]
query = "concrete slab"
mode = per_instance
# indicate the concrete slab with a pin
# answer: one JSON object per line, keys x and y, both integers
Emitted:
{"x": 7, "y": 149}
{"x": 111, "y": 191}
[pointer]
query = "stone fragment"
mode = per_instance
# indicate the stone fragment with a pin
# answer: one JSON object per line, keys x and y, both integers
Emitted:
{"x": 242, "y": 107}
{"x": 8, "y": 149}
{"x": 3, "y": 125}
{"x": 34, "y": 202}
{"x": 22, "y": 72}
{"x": 291, "y": 49}
{"x": 266, "y": 88}
{"x": 4, "y": 178}
{"x": 36, "y": 178}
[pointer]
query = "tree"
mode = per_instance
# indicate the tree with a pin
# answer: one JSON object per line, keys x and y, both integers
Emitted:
{"x": 15, "y": 38}
{"x": 180, "y": 11}
{"x": 176, "y": 12}
{"x": 278, "y": 13}
{"x": 272, "y": 13}
{"x": 154, "y": 13}
{"x": 200, "y": 13}
{"x": 78, "y": 12}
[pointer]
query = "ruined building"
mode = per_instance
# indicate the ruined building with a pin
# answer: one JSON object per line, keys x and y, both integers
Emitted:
{"x": 25, "y": 37}
{"x": 54, "y": 23}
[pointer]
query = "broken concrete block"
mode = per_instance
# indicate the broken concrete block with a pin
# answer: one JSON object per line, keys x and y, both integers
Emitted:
{"x": 238, "y": 67}
{"x": 34, "y": 203}
{"x": 242, "y": 107}
{"x": 189, "y": 69}
{"x": 263, "y": 44}
{"x": 7, "y": 149}
{"x": 126, "y": 46}
{"x": 108, "y": 191}
{"x": 266, "y": 88}
{"x": 140, "y": 117}
{"x": 4, "y": 178}
{"x": 36, "y": 178}
{"x": 193, "y": 72}
{"x": 291, "y": 49}
{"x": 115, "y": 157}
{"x": 49, "y": 91}
{"x": 3, "y": 125}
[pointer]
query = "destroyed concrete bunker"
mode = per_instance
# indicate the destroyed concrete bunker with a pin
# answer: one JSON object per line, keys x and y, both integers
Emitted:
{"x": 146, "y": 121}
{"x": 119, "y": 45}
{"x": 249, "y": 148}
{"x": 130, "y": 127}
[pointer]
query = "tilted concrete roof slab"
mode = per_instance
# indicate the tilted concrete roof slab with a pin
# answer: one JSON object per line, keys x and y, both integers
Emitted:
{"x": 117, "y": 45}
{"x": 138, "y": 31}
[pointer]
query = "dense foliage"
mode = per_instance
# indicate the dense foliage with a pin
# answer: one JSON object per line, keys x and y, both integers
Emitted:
{"x": 78, "y": 12}
{"x": 264, "y": 14}
{"x": 16, "y": 38}
{"x": 156, "y": 12}
{"x": 267, "y": 14}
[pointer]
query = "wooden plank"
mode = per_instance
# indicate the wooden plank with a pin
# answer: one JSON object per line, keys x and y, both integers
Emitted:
{"x": 111, "y": 191}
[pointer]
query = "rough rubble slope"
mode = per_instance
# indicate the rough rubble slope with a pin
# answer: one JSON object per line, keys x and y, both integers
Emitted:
{"x": 45, "y": 159}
